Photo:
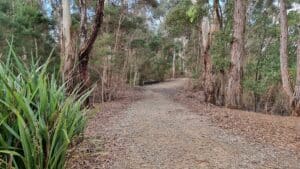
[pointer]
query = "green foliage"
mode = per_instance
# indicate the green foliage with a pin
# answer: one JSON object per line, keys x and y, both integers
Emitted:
{"x": 155, "y": 43}
{"x": 221, "y": 51}
{"x": 262, "y": 70}
{"x": 132, "y": 23}
{"x": 177, "y": 20}
{"x": 262, "y": 73}
{"x": 192, "y": 13}
{"x": 29, "y": 25}
{"x": 197, "y": 11}
{"x": 138, "y": 43}
{"x": 112, "y": 10}
{"x": 152, "y": 64}
{"x": 154, "y": 69}
{"x": 38, "y": 121}
{"x": 221, "y": 45}
{"x": 293, "y": 18}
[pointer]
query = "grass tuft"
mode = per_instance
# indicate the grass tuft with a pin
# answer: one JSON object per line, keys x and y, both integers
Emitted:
{"x": 38, "y": 120}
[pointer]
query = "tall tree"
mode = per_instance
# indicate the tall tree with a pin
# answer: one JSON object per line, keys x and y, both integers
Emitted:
{"x": 209, "y": 76}
{"x": 283, "y": 49}
{"x": 294, "y": 98}
{"x": 67, "y": 57}
{"x": 174, "y": 63}
{"x": 234, "y": 90}
{"x": 74, "y": 65}
{"x": 86, "y": 47}
{"x": 83, "y": 21}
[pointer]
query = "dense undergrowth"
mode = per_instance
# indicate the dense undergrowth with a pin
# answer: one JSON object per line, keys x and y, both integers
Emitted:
{"x": 38, "y": 120}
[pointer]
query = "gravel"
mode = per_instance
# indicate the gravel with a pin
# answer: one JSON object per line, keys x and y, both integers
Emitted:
{"x": 158, "y": 133}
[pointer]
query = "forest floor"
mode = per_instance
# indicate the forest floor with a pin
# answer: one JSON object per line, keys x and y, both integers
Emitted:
{"x": 165, "y": 127}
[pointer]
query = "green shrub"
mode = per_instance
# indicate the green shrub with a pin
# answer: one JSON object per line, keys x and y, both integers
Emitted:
{"x": 37, "y": 119}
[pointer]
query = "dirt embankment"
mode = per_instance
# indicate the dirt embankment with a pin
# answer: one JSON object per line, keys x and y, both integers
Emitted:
{"x": 282, "y": 132}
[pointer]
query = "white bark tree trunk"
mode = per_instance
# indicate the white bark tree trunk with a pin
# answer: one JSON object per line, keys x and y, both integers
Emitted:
{"x": 83, "y": 22}
{"x": 174, "y": 64}
{"x": 135, "y": 77}
{"x": 67, "y": 64}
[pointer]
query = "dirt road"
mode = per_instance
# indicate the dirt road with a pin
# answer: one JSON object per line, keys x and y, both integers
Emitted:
{"x": 158, "y": 133}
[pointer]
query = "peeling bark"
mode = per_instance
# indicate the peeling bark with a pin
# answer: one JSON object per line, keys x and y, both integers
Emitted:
{"x": 217, "y": 19}
{"x": 208, "y": 76}
{"x": 208, "y": 31}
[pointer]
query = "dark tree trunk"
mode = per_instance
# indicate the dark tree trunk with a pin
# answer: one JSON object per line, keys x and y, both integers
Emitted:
{"x": 86, "y": 47}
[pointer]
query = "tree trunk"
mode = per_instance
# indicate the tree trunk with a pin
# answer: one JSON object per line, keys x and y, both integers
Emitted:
{"x": 174, "y": 64}
{"x": 86, "y": 48}
{"x": 200, "y": 49}
{"x": 83, "y": 22}
{"x": 130, "y": 65}
{"x": 68, "y": 59}
{"x": 217, "y": 20}
{"x": 207, "y": 77}
{"x": 234, "y": 90}
{"x": 296, "y": 99}
{"x": 293, "y": 98}
{"x": 219, "y": 81}
{"x": 103, "y": 83}
{"x": 118, "y": 33}
{"x": 135, "y": 77}
{"x": 57, "y": 16}
{"x": 283, "y": 50}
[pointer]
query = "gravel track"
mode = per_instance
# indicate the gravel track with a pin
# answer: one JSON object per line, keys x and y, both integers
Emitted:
{"x": 158, "y": 133}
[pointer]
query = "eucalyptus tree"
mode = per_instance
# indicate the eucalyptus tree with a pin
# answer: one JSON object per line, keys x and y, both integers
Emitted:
{"x": 283, "y": 49}
{"x": 233, "y": 97}
{"x": 294, "y": 97}
{"x": 296, "y": 101}
{"x": 209, "y": 75}
{"x": 210, "y": 23}
{"x": 67, "y": 55}
{"x": 74, "y": 57}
